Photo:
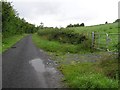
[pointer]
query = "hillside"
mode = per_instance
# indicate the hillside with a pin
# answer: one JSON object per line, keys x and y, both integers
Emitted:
{"x": 103, "y": 28}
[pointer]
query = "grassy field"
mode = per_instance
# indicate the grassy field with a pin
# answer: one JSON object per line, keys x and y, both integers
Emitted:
{"x": 105, "y": 28}
{"x": 8, "y": 42}
{"x": 66, "y": 43}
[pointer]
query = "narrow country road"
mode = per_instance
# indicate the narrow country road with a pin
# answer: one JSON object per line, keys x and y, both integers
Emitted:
{"x": 25, "y": 66}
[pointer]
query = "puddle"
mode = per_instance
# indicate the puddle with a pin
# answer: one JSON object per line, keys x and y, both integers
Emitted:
{"x": 38, "y": 65}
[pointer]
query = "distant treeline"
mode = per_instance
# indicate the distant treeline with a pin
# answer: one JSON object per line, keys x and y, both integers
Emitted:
{"x": 76, "y": 25}
{"x": 12, "y": 24}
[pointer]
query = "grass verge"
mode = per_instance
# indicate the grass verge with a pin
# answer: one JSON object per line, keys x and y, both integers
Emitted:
{"x": 8, "y": 42}
{"x": 55, "y": 46}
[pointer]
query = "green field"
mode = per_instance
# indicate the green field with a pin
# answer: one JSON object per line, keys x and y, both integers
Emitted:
{"x": 110, "y": 29}
{"x": 105, "y": 28}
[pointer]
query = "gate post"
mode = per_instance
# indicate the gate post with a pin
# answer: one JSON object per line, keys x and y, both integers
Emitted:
{"x": 107, "y": 41}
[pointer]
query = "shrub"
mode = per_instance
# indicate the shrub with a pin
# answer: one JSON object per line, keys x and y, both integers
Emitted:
{"x": 63, "y": 36}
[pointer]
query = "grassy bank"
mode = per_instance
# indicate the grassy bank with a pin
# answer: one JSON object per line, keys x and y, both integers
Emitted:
{"x": 8, "y": 42}
{"x": 55, "y": 46}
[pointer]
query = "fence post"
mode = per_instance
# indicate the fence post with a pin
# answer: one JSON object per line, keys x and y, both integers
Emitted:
{"x": 107, "y": 41}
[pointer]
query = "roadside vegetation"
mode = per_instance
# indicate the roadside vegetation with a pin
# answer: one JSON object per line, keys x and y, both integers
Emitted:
{"x": 71, "y": 49}
{"x": 13, "y": 27}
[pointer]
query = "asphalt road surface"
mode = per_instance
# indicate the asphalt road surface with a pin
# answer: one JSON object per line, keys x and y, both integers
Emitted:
{"x": 25, "y": 66}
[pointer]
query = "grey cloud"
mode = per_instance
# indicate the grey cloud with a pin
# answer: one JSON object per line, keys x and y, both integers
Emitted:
{"x": 38, "y": 8}
{"x": 48, "y": 8}
{"x": 55, "y": 12}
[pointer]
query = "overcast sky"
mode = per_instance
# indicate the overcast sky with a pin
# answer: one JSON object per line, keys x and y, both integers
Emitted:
{"x": 63, "y": 12}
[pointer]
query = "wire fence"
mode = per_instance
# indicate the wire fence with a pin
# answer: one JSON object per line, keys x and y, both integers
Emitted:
{"x": 105, "y": 41}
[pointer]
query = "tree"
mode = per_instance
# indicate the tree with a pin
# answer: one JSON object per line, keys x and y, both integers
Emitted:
{"x": 12, "y": 24}
{"x": 41, "y": 25}
{"x": 70, "y": 25}
{"x": 76, "y": 25}
{"x": 106, "y": 22}
{"x": 82, "y": 24}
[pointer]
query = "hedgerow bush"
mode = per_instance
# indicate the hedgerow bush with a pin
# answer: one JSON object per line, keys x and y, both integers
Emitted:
{"x": 63, "y": 35}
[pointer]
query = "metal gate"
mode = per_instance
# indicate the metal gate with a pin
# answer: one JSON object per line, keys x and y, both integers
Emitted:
{"x": 105, "y": 41}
